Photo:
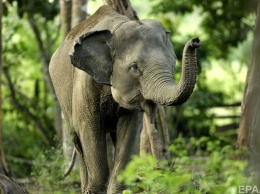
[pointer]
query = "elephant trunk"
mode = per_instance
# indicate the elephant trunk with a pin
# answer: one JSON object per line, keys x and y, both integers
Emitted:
{"x": 174, "y": 94}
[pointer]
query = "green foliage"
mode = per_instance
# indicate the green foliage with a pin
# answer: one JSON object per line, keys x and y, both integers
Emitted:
{"x": 46, "y": 8}
{"x": 215, "y": 14}
{"x": 214, "y": 170}
{"x": 225, "y": 50}
{"x": 48, "y": 170}
{"x": 28, "y": 122}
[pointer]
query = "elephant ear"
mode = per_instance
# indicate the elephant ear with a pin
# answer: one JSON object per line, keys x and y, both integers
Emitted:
{"x": 91, "y": 54}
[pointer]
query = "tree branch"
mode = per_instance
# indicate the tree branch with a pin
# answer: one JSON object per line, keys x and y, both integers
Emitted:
{"x": 165, "y": 130}
{"x": 45, "y": 58}
{"x": 25, "y": 110}
{"x": 235, "y": 104}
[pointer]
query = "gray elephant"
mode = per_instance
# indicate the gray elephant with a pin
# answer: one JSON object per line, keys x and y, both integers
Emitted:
{"x": 106, "y": 73}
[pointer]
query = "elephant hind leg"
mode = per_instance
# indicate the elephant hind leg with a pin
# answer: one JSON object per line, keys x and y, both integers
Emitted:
{"x": 83, "y": 167}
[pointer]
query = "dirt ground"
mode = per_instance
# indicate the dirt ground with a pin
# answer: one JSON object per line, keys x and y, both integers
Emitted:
{"x": 65, "y": 187}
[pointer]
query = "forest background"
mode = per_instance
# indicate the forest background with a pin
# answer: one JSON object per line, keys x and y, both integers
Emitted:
{"x": 211, "y": 117}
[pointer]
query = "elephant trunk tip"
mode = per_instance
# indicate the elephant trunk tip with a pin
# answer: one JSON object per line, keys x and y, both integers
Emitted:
{"x": 195, "y": 42}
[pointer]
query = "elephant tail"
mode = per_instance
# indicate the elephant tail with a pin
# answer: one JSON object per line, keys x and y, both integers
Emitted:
{"x": 72, "y": 163}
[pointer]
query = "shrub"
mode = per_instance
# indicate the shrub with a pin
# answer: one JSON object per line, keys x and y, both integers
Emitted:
{"x": 48, "y": 170}
{"x": 212, "y": 170}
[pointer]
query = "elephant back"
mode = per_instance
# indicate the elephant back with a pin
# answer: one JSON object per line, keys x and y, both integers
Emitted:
{"x": 105, "y": 18}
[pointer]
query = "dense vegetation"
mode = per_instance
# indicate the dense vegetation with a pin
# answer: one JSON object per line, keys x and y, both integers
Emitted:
{"x": 202, "y": 131}
{"x": 193, "y": 170}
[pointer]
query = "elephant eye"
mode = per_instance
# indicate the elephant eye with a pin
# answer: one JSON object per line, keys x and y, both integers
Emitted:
{"x": 134, "y": 70}
{"x": 134, "y": 66}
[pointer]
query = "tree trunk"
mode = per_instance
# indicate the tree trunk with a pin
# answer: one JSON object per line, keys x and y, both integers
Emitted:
{"x": 164, "y": 131}
{"x": 65, "y": 15}
{"x": 251, "y": 93}
{"x": 145, "y": 147}
{"x": 154, "y": 138}
{"x": 79, "y": 12}
{"x": 249, "y": 129}
{"x": 3, "y": 163}
{"x": 124, "y": 7}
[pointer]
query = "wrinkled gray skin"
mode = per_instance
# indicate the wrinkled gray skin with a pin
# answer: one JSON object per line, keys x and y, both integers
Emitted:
{"x": 127, "y": 68}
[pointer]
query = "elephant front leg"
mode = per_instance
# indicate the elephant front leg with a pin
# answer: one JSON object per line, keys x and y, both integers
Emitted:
{"x": 93, "y": 164}
{"x": 128, "y": 129}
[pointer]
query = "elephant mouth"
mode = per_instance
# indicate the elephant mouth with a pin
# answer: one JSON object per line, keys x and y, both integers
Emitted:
{"x": 140, "y": 103}
{"x": 137, "y": 101}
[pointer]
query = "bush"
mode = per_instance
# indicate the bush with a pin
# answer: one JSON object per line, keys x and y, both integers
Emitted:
{"x": 213, "y": 170}
{"x": 49, "y": 169}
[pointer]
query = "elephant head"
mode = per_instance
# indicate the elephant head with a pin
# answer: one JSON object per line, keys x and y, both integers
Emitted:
{"x": 136, "y": 58}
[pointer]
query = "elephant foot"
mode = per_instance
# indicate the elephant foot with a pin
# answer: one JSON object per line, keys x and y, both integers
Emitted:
{"x": 90, "y": 192}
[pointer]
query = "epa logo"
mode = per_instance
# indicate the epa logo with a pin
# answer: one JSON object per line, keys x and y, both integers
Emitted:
{"x": 248, "y": 189}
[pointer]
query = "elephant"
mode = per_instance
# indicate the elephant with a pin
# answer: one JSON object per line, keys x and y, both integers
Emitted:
{"x": 108, "y": 72}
